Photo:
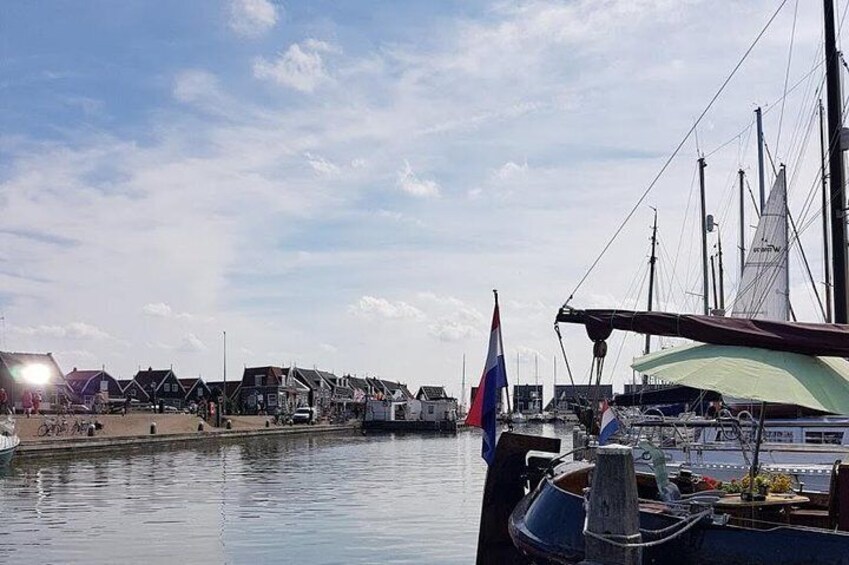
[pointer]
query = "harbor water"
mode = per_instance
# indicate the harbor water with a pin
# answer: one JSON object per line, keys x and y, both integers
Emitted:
{"x": 337, "y": 498}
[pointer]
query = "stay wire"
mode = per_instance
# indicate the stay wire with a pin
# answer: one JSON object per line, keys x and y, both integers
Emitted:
{"x": 677, "y": 150}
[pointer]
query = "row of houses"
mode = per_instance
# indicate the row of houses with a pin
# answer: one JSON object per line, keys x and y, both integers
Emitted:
{"x": 268, "y": 389}
{"x": 528, "y": 399}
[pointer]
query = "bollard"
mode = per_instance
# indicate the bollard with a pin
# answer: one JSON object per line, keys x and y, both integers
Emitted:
{"x": 267, "y": 424}
{"x": 90, "y": 430}
{"x": 613, "y": 510}
{"x": 153, "y": 428}
{"x": 229, "y": 424}
{"x": 200, "y": 426}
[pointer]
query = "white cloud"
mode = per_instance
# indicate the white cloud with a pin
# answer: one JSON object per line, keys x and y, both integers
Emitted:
{"x": 370, "y": 306}
{"x": 328, "y": 348}
{"x": 322, "y": 166}
{"x": 510, "y": 171}
{"x": 452, "y": 330}
{"x": 73, "y": 330}
{"x": 297, "y": 67}
{"x": 162, "y": 310}
{"x": 193, "y": 85}
{"x": 191, "y": 344}
{"x": 252, "y": 18}
{"x": 415, "y": 186}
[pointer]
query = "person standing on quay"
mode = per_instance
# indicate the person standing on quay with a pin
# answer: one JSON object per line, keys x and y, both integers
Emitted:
{"x": 36, "y": 403}
{"x": 4, "y": 401}
{"x": 26, "y": 402}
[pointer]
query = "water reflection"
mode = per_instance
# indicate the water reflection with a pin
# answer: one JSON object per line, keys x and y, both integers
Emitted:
{"x": 323, "y": 499}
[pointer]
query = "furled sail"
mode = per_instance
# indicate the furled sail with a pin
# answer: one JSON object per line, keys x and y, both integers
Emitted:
{"x": 763, "y": 291}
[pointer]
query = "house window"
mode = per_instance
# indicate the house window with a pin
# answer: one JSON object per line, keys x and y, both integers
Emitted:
{"x": 430, "y": 409}
{"x": 104, "y": 386}
{"x": 131, "y": 392}
{"x": 257, "y": 380}
{"x": 272, "y": 400}
{"x": 200, "y": 393}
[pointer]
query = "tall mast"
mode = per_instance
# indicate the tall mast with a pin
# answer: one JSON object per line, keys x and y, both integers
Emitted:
{"x": 554, "y": 390}
{"x": 713, "y": 282}
{"x": 702, "y": 166}
{"x": 742, "y": 222}
{"x": 536, "y": 380}
{"x": 463, "y": 385}
{"x": 652, "y": 261}
{"x": 759, "y": 116}
{"x": 721, "y": 272}
{"x": 836, "y": 176}
{"x": 826, "y": 259}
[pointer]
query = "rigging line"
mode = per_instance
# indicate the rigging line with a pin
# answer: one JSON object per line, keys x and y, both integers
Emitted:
{"x": 787, "y": 76}
{"x": 770, "y": 106}
{"x": 686, "y": 215}
{"x": 677, "y": 149}
{"x": 805, "y": 260}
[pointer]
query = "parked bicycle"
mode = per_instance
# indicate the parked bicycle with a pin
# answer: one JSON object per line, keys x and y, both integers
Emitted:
{"x": 53, "y": 427}
{"x": 80, "y": 426}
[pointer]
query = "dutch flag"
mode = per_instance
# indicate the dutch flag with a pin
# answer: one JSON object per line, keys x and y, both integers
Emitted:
{"x": 609, "y": 423}
{"x": 482, "y": 413}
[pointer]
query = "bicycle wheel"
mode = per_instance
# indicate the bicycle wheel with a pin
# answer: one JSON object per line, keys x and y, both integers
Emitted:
{"x": 43, "y": 430}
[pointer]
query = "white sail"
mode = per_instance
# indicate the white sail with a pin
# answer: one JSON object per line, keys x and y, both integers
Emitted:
{"x": 763, "y": 290}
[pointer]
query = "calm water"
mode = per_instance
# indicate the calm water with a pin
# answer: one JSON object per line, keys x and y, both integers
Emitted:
{"x": 330, "y": 499}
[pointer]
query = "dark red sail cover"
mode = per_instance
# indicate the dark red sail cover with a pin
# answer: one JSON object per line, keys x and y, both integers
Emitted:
{"x": 829, "y": 340}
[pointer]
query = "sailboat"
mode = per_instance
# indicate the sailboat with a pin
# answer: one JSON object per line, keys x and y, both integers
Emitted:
{"x": 545, "y": 502}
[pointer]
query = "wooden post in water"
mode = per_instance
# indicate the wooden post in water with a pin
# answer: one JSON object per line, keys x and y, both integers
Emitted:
{"x": 613, "y": 509}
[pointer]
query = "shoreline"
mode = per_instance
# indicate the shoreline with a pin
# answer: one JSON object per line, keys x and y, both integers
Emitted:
{"x": 66, "y": 446}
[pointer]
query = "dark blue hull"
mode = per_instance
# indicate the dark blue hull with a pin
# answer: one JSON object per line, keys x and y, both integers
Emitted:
{"x": 547, "y": 526}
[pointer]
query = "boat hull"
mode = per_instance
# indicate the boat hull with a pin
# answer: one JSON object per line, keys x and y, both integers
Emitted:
{"x": 445, "y": 426}
{"x": 547, "y": 526}
{"x": 8, "y": 445}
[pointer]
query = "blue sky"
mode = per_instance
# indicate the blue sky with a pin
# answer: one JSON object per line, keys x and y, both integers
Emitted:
{"x": 342, "y": 184}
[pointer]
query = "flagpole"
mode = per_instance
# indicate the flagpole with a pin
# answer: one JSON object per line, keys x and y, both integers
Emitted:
{"x": 501, "y": 345}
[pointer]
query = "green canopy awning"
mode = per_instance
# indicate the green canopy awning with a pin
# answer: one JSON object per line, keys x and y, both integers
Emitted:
{"x": 821, "y": 383}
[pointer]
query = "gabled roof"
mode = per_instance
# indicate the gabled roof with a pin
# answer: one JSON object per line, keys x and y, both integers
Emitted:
{"x": 155, "y": 377}
{"x": 78, "y": 380}
{"x": 274, "y": 375}
{"x": 313, "y": 378}
{"x": 357, "y": 383}
{"x": 191, "y": 383}
{"x": 232, "y": 387}
{"x": 15, "y": 363}
{"x": 431, "y": 393}
{"x": 127, "y": 383}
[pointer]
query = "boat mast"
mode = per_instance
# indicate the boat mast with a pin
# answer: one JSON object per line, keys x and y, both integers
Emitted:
{"x": 713, "y": 282}
{"x": 652, "y": 261}
{"x": 742, "y": 245}
{"x": 721, "y": 271}
{"x": 760, "y": 121}
{"x": 825, "y": 211}
{"x": 702, "y": 166}
{"x": 463, "y": 385}
{"x": 836, "y": 176}
{"x": 536, "y": 380}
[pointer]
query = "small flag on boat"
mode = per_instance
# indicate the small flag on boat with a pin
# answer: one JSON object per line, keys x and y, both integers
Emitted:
{"x": 483, "y": 412}
{"x": 609, "y": 423}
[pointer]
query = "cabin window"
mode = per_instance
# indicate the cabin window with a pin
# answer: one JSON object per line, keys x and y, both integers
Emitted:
{"x": 830, "y": 438}
{"x": 104, "y": 386}
{"x": 778, "y": 436}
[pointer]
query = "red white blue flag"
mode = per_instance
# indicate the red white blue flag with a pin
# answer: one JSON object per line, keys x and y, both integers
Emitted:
{"x": 484, "y": 409}
{"x": 609, "y": 424}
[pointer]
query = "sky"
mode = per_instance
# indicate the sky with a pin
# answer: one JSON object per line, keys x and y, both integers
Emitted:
{"x": 342, "y": 185}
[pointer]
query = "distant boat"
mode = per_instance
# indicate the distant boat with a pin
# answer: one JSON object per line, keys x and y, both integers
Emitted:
{"x": 9, "y": 441}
